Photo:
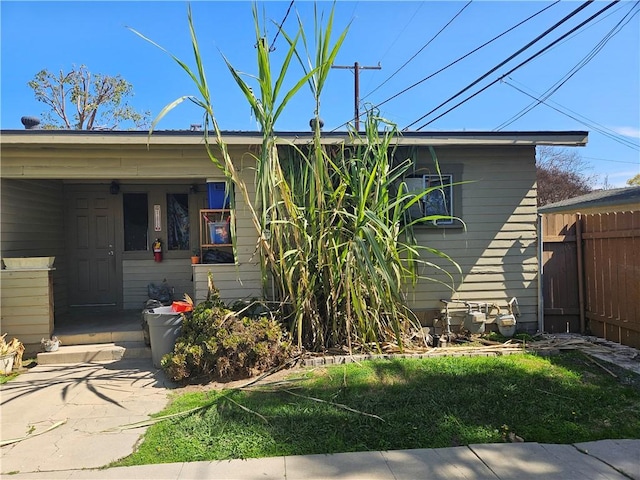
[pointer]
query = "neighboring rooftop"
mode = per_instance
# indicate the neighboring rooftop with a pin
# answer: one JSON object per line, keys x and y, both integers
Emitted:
{"x": 627, "y": 197}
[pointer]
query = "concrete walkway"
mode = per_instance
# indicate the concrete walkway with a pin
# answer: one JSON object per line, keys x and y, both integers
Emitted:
{"x": 94, "y": 398}
{"x": 90, "y": 398}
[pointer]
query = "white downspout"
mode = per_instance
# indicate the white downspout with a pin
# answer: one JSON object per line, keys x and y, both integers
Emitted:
{"x": 540, "y": 274}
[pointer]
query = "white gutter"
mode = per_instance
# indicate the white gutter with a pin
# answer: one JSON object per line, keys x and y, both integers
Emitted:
{"x": 78, "y": 138}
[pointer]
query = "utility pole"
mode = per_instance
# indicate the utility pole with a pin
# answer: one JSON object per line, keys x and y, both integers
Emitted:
{"x": 356, "y": 70}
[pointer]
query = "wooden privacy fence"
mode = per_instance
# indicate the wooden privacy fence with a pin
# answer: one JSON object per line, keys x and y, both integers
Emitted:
{"x": 591, "y": 274}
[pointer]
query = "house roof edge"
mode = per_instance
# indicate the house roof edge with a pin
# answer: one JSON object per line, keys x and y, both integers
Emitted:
{"x": 186, "y": 137}
{"x": 600, "y": 198}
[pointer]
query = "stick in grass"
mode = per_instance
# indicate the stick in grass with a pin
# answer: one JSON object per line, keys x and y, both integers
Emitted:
{"x": 602, "y": 367}
{"x": 339, "y": 405}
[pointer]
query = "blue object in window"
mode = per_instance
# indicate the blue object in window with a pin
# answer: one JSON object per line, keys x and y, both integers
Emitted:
{"x": 218, "y": 197}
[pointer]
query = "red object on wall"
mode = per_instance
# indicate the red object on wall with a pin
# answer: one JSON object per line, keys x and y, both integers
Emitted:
{"x": 157, "y": 250}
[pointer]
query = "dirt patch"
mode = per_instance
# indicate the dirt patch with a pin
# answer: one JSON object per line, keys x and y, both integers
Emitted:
{"x": 276, "y": 376}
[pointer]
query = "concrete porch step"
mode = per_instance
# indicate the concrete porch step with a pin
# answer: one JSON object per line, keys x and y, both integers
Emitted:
{"x": 91, "y": 338}
{"x": 101, "y": 352}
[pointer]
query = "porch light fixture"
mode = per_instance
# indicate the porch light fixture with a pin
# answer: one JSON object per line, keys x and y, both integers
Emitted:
{"x": 114, "y": 188}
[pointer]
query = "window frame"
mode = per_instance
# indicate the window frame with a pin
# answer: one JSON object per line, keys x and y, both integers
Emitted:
{"x": 157, "y": 195}
{"x": 454, "y": 172}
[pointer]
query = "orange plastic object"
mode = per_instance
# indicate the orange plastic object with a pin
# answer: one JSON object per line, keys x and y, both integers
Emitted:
{"x": 181, "y": 307}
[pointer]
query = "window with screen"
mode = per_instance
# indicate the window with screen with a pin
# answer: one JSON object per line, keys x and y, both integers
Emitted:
{"x": 136, "y": 221}
{"x": 177, "y": 221}
{"x": 439, "y": 201}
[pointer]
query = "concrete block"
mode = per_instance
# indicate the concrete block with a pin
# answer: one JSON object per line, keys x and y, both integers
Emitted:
{"x": 438, "y": 463}
{"x": 535, "y": 461}
{"x": 249, "y": 469}
{"x": 351, "y": 466}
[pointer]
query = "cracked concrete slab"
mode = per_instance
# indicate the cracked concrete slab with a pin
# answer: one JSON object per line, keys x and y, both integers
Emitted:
{"x": 451, "y": 463}
{"x": 351, "y": 466}
{"x": 622, "y": 454}
{"x": 94, "y": 399}
{"x": 548, "y": 461}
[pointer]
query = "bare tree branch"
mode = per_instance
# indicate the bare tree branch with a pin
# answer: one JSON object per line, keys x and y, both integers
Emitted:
{"x": 561, "y": 175}
{"x": 95, "y": 99}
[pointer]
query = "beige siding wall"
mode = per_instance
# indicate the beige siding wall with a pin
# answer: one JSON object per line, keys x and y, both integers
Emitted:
{"x": 32, "y": 225}
{"x": 498, "y": 250}
{"x": 108, "y": 162}
{"x": 136, "y": 167}
{"x": 137, "y": 274}
{"x": 27, "y": 309}
{"x": 235, "y": 281}
{"x": 138, "y": 267}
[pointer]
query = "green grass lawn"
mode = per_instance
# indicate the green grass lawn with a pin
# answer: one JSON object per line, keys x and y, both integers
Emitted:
{"x": 439, "y": 402}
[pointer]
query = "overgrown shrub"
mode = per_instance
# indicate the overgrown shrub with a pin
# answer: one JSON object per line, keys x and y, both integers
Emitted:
{"x": 218, "y": 343}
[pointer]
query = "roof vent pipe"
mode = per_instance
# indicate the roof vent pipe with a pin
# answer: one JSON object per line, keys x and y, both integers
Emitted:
{"x": 312, "y": 124}
{"x": 30, "y": 123}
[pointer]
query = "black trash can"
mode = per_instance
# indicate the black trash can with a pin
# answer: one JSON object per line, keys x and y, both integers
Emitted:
{"x": 165, "y": 326}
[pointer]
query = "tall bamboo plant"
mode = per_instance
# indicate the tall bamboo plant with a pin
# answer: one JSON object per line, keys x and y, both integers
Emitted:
{"x": 334, "y": 231}
{"x": 359, "y": 251}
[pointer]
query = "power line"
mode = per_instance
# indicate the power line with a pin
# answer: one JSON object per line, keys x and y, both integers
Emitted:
{"x": 576, "y": 68}
{"x": 590, "y": 26}
{"x": 404, "y": 28}
{"x": 466, "y": 55}
{"x": 482, "y": 77}
{"x": 458, "y": 60}
{"x": 614, "y": 161}
{"x": 540, "y": 52}
{"x": 581, "y": 118}
{"x": 273, "y": 47}
{"x": 588, "y": 123}
{"x": 584, "y": 120}
{"x": 421, "y": 49}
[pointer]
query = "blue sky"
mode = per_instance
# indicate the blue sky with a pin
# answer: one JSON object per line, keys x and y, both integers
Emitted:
{"x": 605, "y": 92}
